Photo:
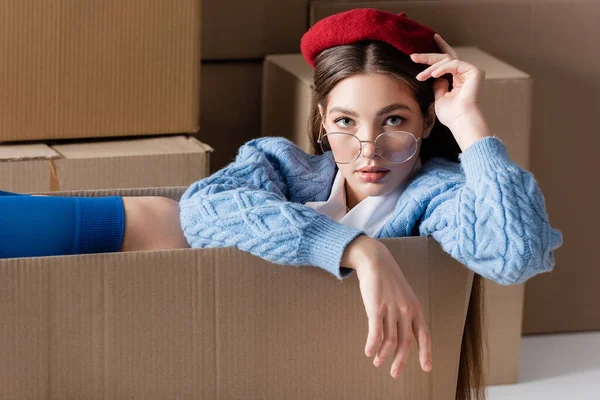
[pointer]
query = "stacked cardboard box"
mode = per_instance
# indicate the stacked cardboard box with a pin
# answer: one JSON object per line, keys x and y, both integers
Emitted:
{"x": 287, "y": 88}
{"x": 129, "y": 163}
{"x": 89, "y": 69}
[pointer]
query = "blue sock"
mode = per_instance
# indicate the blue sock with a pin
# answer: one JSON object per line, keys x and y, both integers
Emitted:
{"x": 34, "y": 226}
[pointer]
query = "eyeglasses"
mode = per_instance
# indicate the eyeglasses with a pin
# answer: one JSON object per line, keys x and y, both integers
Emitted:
{"x": 344, "y": 148}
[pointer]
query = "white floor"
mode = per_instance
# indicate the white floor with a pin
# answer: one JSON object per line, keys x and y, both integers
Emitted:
{"x": 556, "y": 367}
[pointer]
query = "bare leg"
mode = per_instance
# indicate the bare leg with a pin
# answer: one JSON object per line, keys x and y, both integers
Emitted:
{"x": 152, "y": 223}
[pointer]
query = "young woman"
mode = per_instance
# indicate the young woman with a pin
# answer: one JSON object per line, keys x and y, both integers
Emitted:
{"x": 387, "y": 126}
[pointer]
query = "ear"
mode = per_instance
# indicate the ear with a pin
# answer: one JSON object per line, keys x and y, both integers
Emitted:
{"x": 429, "y": 121}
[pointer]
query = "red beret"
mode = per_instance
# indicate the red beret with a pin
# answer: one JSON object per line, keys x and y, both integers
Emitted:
{"x": 367, "y": 24}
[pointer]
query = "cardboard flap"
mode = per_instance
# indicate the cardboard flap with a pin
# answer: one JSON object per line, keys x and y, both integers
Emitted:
{"x": 295, "y": 65}
{"x": 133, "y": 147}
{"x": 493, "y": 67}
{"x": 26, "y": 152}
{"x": 169, "y": 192}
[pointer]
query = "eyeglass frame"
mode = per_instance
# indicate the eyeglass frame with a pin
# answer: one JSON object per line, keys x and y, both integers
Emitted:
{"x": 320, "y": 142}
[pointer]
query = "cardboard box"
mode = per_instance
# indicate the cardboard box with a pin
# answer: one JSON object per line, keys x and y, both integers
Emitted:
{"x": 565, "y": 158}
{"x": 213, "y": 324}
{"x": 240, "y": 29}
{"x": 82, "y": 69}
{"x": 231, "y": 95}
{"x": 287, "y": 91}
{"x": 153, "y": 162}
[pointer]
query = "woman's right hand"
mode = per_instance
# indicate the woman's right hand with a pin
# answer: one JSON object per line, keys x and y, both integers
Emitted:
{"x": 393, "y": 310}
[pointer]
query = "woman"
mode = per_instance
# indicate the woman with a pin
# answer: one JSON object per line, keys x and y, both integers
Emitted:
{"x": 388, "y": 128}
{"x": 386, "y": 170}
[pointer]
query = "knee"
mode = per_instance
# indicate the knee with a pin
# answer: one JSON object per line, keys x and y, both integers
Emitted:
{"x": 152, "y": 223}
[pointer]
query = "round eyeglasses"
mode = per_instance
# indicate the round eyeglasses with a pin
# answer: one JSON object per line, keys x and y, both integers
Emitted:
{"x": 343, "y": 148}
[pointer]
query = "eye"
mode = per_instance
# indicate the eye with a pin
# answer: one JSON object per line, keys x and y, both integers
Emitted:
{"x": 344, "y": 122}
{"x": 394, "y": 120}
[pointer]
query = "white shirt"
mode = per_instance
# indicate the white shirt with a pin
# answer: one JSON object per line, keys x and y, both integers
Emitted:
{"x": 370, "y": 215}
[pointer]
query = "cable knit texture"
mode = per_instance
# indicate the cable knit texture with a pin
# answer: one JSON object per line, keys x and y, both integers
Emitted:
{"x": 486, "y": 212}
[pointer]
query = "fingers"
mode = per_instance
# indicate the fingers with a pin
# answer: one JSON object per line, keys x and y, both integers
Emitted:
{"x": 440, "y": 88}
{"x": 427, "y": 73}
{"x": 446, "y": 52}
{"x": 403, "y": 349}
{"x": 375, "y": 335}
{"x": 444, "y": 46}
{"x": 430, "y": 58}
{"x": 390, "y": 340}
{"x": 421, "y": 332}
{"x": 450, "y": 67}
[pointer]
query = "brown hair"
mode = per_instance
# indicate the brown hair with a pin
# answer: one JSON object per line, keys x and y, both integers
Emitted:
{"x": 338, "y": 63}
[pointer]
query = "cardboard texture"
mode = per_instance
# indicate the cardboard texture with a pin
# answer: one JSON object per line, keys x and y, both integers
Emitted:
{"x": 240, "y": 29}
{"x": 80, "y": 69}
{"x": 213, "y": 324}
{"x": 287, "y": 90}
{"x": 26, "y": 168}
{"x": 231, "y": 108}
{"x": 161, "y": 161}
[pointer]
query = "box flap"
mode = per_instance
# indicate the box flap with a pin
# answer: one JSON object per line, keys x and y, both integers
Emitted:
{"x": 493, "y": 67}
{"x": 294, "y": 64}
{"x": 132, "y": 147}
{"x": 23, "y": 152}
{"x": 174, "y": 193}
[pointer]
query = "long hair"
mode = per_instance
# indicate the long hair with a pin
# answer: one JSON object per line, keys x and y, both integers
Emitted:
{"x": 338, "y": 63}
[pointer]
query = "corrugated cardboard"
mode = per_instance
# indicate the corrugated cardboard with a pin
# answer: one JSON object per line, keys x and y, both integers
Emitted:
{"x": 241, "y": 29}
{"x": 213, "y": 324}
{"x": 163, "y": 161}
{"x": 26, "y": 168}
{"x": 79, "y": 69}
{"x": 231, "y": 107}
{"x": 287, "y": 91}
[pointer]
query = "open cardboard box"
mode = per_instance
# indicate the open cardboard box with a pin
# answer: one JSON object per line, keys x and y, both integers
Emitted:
{"x": 213, "y": 324}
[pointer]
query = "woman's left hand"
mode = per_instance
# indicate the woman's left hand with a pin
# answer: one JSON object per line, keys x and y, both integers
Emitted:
{"x": 458, "y": 109}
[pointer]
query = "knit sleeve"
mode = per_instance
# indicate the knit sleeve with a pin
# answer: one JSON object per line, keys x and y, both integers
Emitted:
{"x": 494, "y": 220}
{"x": 257, "y": 205}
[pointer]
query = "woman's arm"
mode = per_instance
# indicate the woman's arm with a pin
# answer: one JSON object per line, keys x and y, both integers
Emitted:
{"x": 494, "y": 220}
{"x": 256, "y": 205}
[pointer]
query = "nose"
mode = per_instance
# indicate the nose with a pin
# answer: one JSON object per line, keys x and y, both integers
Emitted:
{"x": 369, "y": 150}
{"x": 369, "y": 134}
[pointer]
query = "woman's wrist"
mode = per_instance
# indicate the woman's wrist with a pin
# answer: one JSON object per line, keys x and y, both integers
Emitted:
{"x": 359, "y": 253}
{"x": 469, "y": 128}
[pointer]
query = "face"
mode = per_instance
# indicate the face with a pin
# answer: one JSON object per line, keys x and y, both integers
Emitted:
{"x": 367, "y": 105}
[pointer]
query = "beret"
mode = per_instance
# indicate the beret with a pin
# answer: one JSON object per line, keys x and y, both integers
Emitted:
{"x": 363, "y": 24}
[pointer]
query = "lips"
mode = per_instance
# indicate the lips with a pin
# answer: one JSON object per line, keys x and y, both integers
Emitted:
{"x": 373, "y": 169}
{"x": 372, "y": 174}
